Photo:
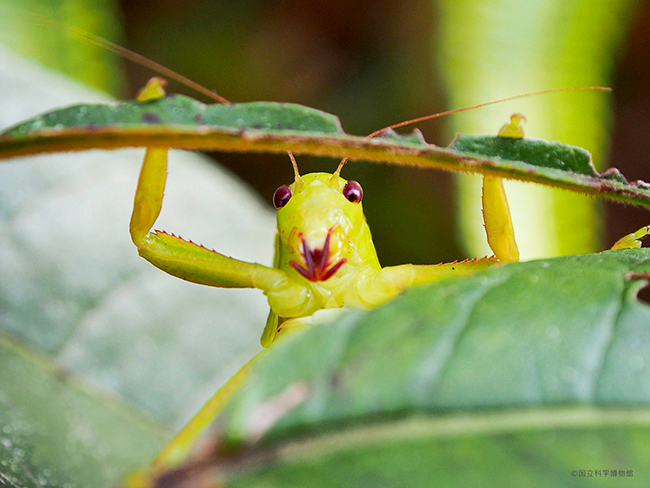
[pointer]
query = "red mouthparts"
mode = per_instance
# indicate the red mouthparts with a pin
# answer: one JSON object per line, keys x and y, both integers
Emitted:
{"x": 317, "y": 261}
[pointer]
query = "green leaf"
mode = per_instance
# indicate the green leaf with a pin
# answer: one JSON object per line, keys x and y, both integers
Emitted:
{"x": 544, "y": 154}
{"x": 550, "y": 357}
{"x": 180, "y": 122}
{"x": 55, "y": 433}
{"x": 182, "y": 111}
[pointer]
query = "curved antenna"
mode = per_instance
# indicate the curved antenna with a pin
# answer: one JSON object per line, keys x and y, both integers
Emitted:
{"x": 340, "y": 167}
{"x": 465, "y": 109}
{"x": 147, "y": 63}
{"x": 133, "y": 56}
{"x": 473, "y": 107}
{"x": 296, "y": 173}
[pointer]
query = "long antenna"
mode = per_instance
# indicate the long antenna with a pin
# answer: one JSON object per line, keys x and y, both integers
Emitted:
{"x": 133, "y": 56}
{"x": 473, "y": 107}
{"x": 147, "y": 63}
{"x": 163, "y": 70}
{"x": 458, "y": 110}
{"x": 296, "y": 173}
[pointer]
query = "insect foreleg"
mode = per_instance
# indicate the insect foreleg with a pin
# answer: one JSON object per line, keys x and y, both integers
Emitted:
{"x": 498, "y": 221}
{"x": 377, "y": 288}
{"x": 190, "y": 261}
{"x": 149, "y": 194}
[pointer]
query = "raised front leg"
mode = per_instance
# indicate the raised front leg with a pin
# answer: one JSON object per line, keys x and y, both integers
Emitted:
{"x": 195, "y": 263}
{"x": 498, "y": 221}
{"x": 496, "y": 211}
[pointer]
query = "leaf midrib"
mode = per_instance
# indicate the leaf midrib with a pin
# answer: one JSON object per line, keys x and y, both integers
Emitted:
{"x": 432, "y": 427}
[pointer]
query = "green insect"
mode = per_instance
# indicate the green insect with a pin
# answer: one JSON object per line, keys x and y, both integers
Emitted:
{"x": 324, "y": 254}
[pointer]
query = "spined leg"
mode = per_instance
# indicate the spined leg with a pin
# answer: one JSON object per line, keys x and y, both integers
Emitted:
{"x": 378, "y": 287}
{"x": 193, "y": 262}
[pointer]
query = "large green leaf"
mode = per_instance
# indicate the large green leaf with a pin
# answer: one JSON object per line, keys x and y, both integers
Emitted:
{"x": 181, "y": 122}
{"x": 56, "y": 433}
{"x": 461, "y": 380}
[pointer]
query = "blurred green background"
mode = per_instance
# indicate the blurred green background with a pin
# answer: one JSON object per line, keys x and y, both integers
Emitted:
{"x": 377, "y": 63}
{"x": 370, "y": 63}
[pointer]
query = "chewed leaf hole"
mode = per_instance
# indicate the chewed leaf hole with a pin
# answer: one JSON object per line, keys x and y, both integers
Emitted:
{"x": 643, "y": 293}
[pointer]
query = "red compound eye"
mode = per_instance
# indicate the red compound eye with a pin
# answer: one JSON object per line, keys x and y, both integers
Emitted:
{"x": 282, "y": 196}
{"x": 353, "y": 191}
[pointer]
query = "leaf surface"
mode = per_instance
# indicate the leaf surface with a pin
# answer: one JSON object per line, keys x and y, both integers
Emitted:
{"x": 546, "y": 358}
{"x": 54, "y": 432}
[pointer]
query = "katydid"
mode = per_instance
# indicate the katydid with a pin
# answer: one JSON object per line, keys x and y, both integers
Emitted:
{"x": 324, "y": 254}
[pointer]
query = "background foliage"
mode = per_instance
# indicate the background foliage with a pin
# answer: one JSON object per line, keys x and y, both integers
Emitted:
{"x": 371, "y": 63}
{"x": 377, "y": 63}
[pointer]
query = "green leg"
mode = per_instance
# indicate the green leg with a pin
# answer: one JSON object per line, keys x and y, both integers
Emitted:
{"x": 426, "y": 274}
{"x": 498, "y": 221}
{"x": 379, "y": 287}
{"x": 192, "y": 262}
{"x": 181, "y": 258}
{"x": 149, "y": 194}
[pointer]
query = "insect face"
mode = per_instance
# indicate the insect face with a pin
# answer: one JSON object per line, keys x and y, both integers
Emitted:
{"x": 320, "y": 220}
